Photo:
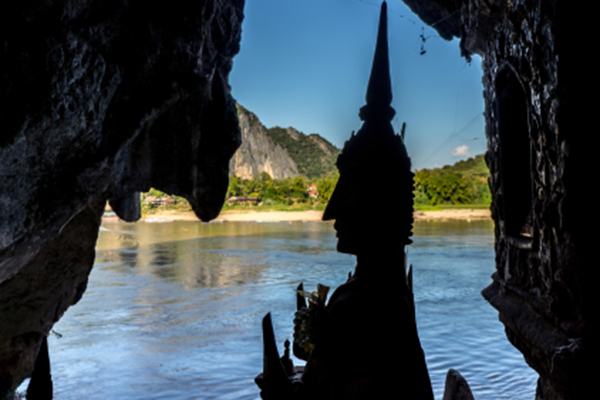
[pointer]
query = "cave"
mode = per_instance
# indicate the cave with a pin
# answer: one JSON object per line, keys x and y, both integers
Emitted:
{"x": 85, "y": 89}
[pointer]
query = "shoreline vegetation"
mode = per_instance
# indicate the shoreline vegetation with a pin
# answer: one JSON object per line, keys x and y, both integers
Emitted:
{"x": 459, "y": 191}
{"x": 454, "y": 213}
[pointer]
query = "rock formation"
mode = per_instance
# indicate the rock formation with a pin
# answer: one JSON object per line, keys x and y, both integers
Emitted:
{"x": 280, "y": 152}
{"x": 100, "y": 100}
{"x": 314, "y": 155}
{"x": 538, "y": 158}
{"x": 258, "y": 152}
{"x": 324, "y": 145}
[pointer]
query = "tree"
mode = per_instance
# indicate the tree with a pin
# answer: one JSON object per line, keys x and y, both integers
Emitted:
{"x": 463, "y": 183}
{"x": 235, "y": 186}
{"x": 298, "y": 190}
{"x": 326, "y": 185}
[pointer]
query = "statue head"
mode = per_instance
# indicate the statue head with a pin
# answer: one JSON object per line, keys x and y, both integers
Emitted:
{"x": 372, "y": 202}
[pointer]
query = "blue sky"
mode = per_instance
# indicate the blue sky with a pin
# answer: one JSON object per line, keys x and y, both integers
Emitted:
{"x": 306, "y": 63}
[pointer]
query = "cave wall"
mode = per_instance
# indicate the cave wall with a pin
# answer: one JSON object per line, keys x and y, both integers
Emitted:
{"x": 538, "y": 160}
{"x": 100, "y": 100}
{"x": 103, "y": 99}
{"x": 537, "y": 287}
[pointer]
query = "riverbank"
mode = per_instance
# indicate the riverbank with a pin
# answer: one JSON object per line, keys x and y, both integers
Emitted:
{"x": 310, "y": 215}
{"x": 454, "y": 213}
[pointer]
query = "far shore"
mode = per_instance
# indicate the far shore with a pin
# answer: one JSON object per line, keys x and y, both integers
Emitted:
{"x": 306, "y": 216}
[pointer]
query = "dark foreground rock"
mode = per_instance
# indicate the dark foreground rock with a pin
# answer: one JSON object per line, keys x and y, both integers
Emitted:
{"x": 456, "y": 387}
{"x": 540, "y": 160}
{"x": 101, "y": 100}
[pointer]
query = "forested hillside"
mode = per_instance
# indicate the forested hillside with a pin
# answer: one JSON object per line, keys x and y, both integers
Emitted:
{"x": 314, "y": 156}
{"x": 465, "y": 182}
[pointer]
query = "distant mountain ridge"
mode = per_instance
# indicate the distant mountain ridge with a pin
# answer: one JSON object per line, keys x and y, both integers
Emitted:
{"x": 280, "y": 152}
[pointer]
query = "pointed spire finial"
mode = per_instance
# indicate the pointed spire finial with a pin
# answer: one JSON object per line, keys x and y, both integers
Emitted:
{"x": 379, "y": 91}
{"x": 374, "y": 156}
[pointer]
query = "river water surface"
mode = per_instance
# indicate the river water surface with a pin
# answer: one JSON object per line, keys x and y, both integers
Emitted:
{"x": 173, "y": 310}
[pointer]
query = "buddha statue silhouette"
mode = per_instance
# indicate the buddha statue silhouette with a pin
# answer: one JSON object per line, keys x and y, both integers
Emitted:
{"x": 363, "y": 344}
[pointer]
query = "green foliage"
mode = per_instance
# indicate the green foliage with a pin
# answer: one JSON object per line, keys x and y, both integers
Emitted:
{"x": 179, "y": 203}
{"x": 157, "y": 193}
{"x": 465, "y": 182}
{"x": 326, "y": 185}
{"x": 235, "y": 186}
{"x": 313, "y": 162}
{"x": 283, "y": 192}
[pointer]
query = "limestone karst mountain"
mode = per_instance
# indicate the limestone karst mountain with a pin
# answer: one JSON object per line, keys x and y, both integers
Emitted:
{"x": 281, "y": 152}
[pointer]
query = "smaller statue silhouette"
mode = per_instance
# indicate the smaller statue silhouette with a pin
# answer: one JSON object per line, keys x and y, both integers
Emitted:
{"x": 363, "y": 342}
{"x": 40, "y": 384}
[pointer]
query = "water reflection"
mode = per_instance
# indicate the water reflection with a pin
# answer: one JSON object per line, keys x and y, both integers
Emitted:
{"x": 199, "y": 255}
{"x": 173, "y": 310}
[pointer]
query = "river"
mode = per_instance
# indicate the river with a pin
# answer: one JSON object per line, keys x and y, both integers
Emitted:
{"x": 173, "y": 310}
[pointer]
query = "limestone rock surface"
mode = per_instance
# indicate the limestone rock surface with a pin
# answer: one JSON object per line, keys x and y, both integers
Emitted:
{"x": 280, "y": 152}
{"x": 259, "y": 153}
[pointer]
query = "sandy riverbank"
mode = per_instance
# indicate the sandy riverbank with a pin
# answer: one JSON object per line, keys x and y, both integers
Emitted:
{"x": 277, "y": 216}
{"x": 465, "y": 214}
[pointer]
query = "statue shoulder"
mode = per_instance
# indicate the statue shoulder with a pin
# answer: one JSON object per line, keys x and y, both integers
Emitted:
{"x": 345, "y": 292}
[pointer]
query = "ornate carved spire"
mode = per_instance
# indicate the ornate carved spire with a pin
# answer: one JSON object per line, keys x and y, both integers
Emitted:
{"x": 379, "y": 90}
{"x": 376, "y": 138}
{"x": 374, "y": 157}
